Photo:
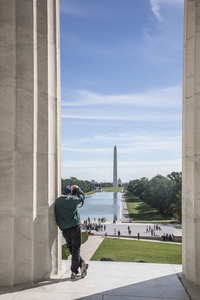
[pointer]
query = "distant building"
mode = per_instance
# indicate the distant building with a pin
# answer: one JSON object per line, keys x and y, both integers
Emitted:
{"x": 93, "y": 182}
{"x": 119, "y": 182}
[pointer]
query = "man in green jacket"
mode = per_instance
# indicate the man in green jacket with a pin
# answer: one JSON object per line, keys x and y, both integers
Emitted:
{"x": 68, "y": 220}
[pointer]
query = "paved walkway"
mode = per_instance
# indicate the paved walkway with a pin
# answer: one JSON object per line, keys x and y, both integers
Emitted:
{"x": 124, "y": 215}
{"x": 138, "y": 227}
{"x": 89, "y": 247}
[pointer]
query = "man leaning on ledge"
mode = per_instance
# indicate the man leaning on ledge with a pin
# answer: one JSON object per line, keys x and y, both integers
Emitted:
{"x": 68, "y": 220}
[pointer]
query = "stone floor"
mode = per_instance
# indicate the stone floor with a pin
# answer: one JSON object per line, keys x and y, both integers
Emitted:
{"x": 108, "y": 281}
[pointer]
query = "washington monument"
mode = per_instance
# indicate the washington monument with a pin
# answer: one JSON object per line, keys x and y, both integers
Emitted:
{"x": 115, "y": 183}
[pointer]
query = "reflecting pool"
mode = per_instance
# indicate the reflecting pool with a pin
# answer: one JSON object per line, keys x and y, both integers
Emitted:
{"x": 101, "y": 205}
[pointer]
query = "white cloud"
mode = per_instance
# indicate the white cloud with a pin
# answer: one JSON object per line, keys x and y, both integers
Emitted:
{"x": 153, "y": 150}
{"x": 167, "y": 97}
{"x": 122, "y": 164}
{"x": 153, "y": 105}
{"x": 88, "y": 164}
{"x": 86, "y": 150}
{"x": 132, "y": 149}
{"x": 117, "y": 116}
{"x": 86, "y": 170}
{"x": 127, "y": 174}
{"x": 130, "y": 143}
{"x": 155, "y": 7}
{"x": 136, "y": 136}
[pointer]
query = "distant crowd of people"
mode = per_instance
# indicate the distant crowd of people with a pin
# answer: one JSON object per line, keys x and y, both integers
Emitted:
{"x": 167, "y": 237}
{"x": 88, "y": 226}
{"x": 103, "y": 219}
{"x": 152, "y": 229}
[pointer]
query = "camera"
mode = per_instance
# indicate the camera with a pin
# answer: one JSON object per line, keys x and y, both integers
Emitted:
{"x": 74, "y": 192}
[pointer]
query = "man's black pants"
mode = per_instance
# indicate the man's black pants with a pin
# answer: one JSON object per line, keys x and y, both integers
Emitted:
{"x": 73, "y": 240}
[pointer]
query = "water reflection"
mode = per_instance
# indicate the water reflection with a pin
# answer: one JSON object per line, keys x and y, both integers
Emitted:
{"x": 101, "y": 205}
{"x": 115, "y": 195}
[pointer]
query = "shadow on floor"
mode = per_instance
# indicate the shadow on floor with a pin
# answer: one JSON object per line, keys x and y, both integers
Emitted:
{"x": 155, "y": 289}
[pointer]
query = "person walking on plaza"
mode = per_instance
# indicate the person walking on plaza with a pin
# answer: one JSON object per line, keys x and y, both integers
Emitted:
{"x": 68, "y": 220}
{"x": 118, "y": 233}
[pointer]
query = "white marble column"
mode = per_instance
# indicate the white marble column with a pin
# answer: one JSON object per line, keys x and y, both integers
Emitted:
{"x": 29, "y": 139}
{"x": 191, "y": 142}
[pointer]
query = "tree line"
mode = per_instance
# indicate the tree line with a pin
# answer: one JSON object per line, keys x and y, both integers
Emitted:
{"x": 85, "y": 185}
{"x": 163, "y": 193}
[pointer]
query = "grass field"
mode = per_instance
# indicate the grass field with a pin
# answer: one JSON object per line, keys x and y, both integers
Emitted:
{"x": 90, "y": 193}
{"x": 137, "y": 251}
{"x": 139, "y": 210}
{"x": 112, "y": 189}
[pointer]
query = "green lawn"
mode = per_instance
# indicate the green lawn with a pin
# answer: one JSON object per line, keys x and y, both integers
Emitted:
{"x": 139, "y": 210}
{"x": 112, "y": 189}
{"x": 90, "y": 193}
{"x": 136, "y": 251}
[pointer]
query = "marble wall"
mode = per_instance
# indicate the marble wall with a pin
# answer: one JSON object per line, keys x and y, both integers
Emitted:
{"x": 191, "y": 142}
{"x": 29, "y": 140}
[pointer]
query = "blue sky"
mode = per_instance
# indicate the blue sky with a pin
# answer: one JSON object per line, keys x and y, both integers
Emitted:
{"x": 121, "y": 84}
